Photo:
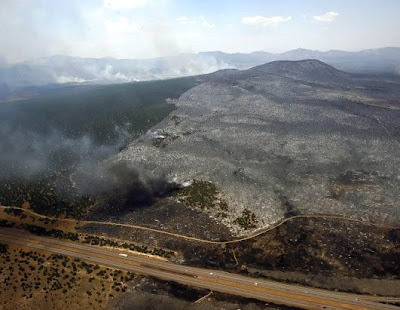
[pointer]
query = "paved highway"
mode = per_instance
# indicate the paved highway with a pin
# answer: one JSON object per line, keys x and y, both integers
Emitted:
{"x": 268, "y": 291}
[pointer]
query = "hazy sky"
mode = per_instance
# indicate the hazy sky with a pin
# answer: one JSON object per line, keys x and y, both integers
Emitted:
{"x": 149, "y": 28}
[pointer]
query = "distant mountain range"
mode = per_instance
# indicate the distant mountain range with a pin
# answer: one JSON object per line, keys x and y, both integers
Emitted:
{"x": 381, "y": 60}
{"x": 67, "y": 70}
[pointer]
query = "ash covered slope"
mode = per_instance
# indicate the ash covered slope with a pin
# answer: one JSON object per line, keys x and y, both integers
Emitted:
{"x": 295, "y": 141}
{"x": 310, "y": 70}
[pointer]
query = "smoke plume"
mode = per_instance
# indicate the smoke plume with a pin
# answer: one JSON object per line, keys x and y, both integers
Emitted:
{"x": 28, "y": 154}
{"x": 121, "y": 187}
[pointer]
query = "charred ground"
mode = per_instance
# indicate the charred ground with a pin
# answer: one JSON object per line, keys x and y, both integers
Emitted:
{"x": 322, "y": 252}
{"x": 281, "y": 139}
{"x": 275, "y": 141}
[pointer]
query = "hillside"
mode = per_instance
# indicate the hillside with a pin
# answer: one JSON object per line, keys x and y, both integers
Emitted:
{"x": 281, "y": 139}
{"x": 309, "y": 70}
{"x": 297, "y": 156}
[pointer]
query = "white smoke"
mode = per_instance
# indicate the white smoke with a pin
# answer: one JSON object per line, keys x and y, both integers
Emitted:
{"x": 397, "y": 69}
{"x": 169, "y": 67}
{"x": 186, "y": 65}
{"x": 69, "y": 79}
{"x": 109, "y": 74}
{"x": 60, "y": 69}
{"x": 36, "y": 150}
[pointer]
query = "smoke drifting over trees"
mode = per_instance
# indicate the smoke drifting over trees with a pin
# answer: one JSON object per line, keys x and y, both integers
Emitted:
{"x": 52, "y": 148}
{"x": 122, "y": 187}
{"x": 26, "y": 154}
{"x": 78, "y": 163}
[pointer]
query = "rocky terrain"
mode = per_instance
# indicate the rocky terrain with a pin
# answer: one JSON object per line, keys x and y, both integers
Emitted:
{"x": 281, "y": 139}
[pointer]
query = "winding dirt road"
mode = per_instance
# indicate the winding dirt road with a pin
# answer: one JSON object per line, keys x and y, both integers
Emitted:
{"x": 250, "y": 236}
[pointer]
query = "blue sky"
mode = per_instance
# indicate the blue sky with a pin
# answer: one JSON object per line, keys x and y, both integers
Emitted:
{"x": 151, "y": 28}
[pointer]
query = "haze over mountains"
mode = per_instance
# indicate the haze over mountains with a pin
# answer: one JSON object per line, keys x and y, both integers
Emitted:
{"x": 66, "y": 69}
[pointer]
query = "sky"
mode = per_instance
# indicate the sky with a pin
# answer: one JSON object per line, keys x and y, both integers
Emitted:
{"x": 32, "y": 29}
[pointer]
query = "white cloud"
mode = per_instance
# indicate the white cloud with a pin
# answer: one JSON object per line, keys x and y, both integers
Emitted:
{"x": 205, "y": 23}
{"x": 184, "y": 20}
{"x": 123, "y": 4}
{"x": 265, "y": 21}
{"x": 201, "y": 20}
{"x": 327, "y": 17}
{"x": 122, "y": 25}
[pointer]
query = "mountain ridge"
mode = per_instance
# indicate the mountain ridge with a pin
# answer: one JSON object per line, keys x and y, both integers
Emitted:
{"x": 309, "y": 70}
{"x": 59, "y": 69}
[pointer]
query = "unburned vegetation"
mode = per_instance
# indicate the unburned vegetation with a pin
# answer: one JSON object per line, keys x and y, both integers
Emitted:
{"x": 46, "y": 139}
{"x": 38, "y": 280}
